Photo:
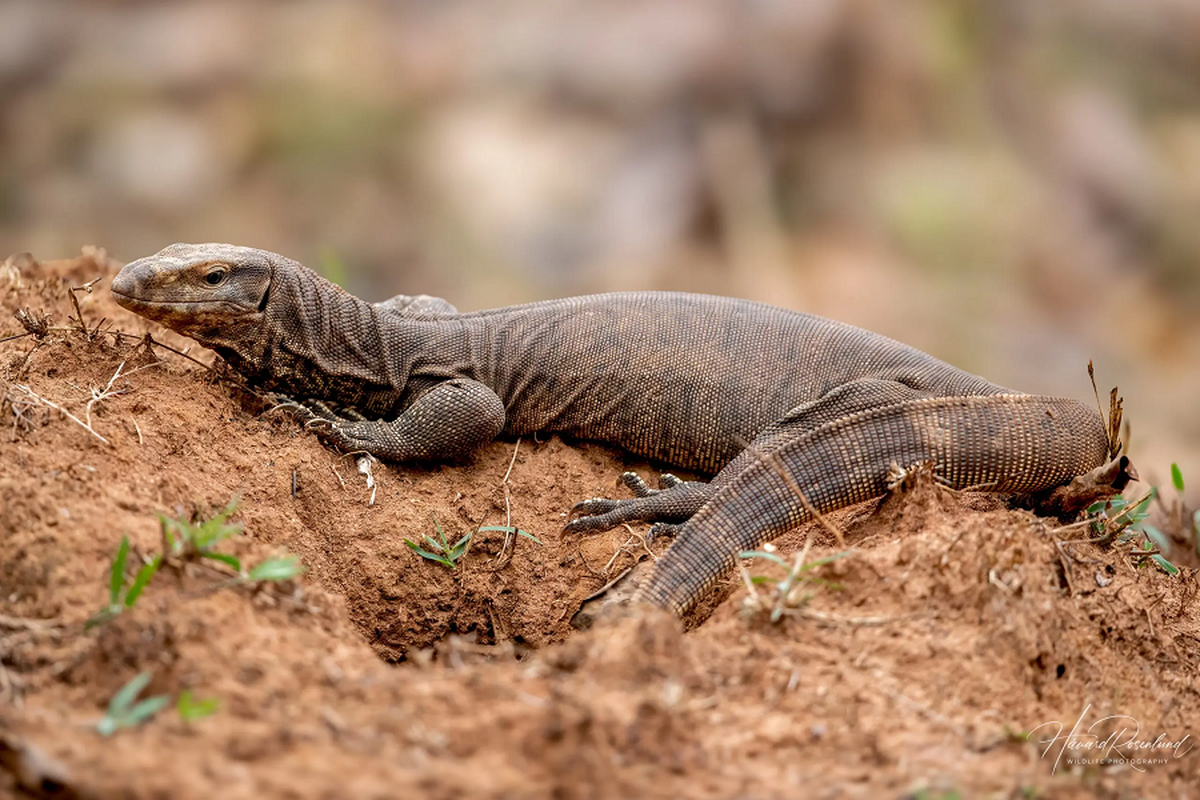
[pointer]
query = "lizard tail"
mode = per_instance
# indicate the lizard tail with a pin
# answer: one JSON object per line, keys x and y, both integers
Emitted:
{"x": 1008, "y": 442}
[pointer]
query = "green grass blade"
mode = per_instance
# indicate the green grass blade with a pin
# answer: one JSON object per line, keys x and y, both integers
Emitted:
{"x": 828, "y": 559}
{"x": 216, "y": 529}
{"x": 230, "y": 507}
{"x": 170, "y": 533}
{"x": 1177, "y": 477}
{"x": 191, "y": 709}
{"x": 224, "y": 558}
{"x": 765, "y": 555}
{"x": 127, "y": 693}
{"x": 511, "y": 529}
{"x": 116, "y": 579}
{"x": 141, "y": 579}
{"x": 144, "y": 710}
{"x": 1157, "y": 536}
{"x": 276, "y": 569}
{"x": 439, "y": 557}
{"x": 1164, "y": 565}
{"x": 104, "y": 615}
{"x": 422, "y": 552}
{"x": 1135, "y": 516}
{"x": 445, "y": 545}
{"x": 460, "y": 547}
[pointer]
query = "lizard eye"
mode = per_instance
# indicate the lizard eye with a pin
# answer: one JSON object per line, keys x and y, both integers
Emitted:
{"x": 215, "y": 275}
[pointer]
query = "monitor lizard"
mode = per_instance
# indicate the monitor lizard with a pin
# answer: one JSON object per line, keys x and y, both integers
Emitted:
{"x": 772, "y": 402}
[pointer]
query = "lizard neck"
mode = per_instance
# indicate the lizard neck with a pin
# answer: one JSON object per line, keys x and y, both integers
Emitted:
{"x": 317, "y": 340}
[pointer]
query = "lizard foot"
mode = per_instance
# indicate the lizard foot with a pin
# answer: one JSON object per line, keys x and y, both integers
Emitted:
{"x": 328, "y": 424}
{"x": 313, "y": 414}
{"x": 320, "y": 410}
{"x": 350, "y": 436}
{"x": 675, "y": 502}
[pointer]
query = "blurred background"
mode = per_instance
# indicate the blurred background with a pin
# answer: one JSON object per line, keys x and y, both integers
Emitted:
{"x": 1013, "y": 186}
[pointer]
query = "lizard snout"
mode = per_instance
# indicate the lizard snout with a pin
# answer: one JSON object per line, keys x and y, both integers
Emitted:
{"x": 125, "y": 285}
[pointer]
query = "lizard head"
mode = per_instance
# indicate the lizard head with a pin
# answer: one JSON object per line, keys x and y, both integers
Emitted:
{"x": 206, "y": 291}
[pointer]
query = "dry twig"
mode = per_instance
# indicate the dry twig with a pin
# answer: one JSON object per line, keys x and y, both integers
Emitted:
{"x": 20, "y": 387}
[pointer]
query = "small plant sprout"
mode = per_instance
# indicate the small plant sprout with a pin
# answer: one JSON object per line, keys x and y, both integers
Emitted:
{"x": 191, "y": 708}
{"x": 192, "y": 540}
{"x": 126, "y": 711}
{"x": 121, "y": 597}
{"x": 1118, "y": 520}
{"x": 442, "y": 551}
{"x": 797, "y": 587}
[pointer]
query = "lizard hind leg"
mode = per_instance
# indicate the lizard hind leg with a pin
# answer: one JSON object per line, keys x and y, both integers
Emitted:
{"x": 678, "y": 500}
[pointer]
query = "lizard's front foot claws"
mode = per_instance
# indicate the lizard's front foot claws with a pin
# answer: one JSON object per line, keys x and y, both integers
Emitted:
{"x": 283, "y": 403}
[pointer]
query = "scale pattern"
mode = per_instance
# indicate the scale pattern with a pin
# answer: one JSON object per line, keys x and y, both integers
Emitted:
{"x": 685, "y": 379}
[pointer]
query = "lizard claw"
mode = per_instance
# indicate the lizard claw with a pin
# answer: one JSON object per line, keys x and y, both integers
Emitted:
{"x": 592, "y": 507}
{"x": 281, "y": 402}
{"x": 594, "y": 522}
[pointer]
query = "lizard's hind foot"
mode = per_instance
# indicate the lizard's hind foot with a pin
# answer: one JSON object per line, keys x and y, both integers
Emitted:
{"x": 674, "y": 503}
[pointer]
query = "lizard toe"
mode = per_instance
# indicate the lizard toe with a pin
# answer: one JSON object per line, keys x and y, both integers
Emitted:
{"x": 601, "y": 514}
{"x": 636, "y": 485}
{"x": 669, "y": 481}
{"x": 666, "y": 482}
{"x": 320, "y": 410}
{"x": 593, "y": 507}
{"x": 594, "y": 523}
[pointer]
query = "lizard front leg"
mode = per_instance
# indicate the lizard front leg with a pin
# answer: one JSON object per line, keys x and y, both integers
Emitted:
{"x": 450, "y": 421}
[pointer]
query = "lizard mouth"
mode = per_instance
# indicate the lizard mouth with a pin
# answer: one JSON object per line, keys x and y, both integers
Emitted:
{"x": 179, "y": 309}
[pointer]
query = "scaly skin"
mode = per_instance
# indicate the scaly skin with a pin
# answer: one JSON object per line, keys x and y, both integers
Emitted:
{"x": 681, "y": 378}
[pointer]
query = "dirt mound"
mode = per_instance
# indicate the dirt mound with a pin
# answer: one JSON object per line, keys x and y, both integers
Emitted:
{"x": 955, "y": 627}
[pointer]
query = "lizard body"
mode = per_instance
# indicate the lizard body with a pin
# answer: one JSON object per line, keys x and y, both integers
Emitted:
{"x": 681, "y": 378}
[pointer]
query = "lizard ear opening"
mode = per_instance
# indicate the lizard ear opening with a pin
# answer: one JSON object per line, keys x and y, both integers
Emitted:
{"x": 262, "y": 304}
